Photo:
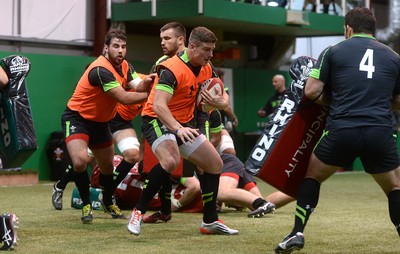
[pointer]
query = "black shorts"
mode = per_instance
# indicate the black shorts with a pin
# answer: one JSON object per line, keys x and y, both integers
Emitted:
{"x": 98, "y": 134}
{"x": 118, "y": 123}
{"x": 232, "y": 165}
{"x": 375, "y": 146}
{"x": 152, "y": 129}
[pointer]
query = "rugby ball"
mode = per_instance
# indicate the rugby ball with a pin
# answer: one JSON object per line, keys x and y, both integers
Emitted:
{"x": 214, "y": 86}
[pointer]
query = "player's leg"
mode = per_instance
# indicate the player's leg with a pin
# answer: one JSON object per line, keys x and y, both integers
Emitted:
{"x": 195, "y": 152}
{"x": 390, "y": 184}
{"x": 105, "y": 160}
{"x": 226, "y": 145}
{"x": 279, "y": 198}
{"x": 309, "y": 190}
{"x": 59, "y": 186}
{"x": 192, "y": 190}
{"x": 156, "y": 178}
{"x": 128, "y": 144}
{"x": 307, "y": 201}
{"x": 229, "y": 192}
{"x": 168, "y": 155}
{"x": 336, "y": 148}
{"x": 77, "y": 139}
{"x": 238, "y": 188}
{"x": 381, "y": 160}
{"x": 8, "y": 231}
{"x": 165, "y": 148}
{"x": 77, "y": 149}
{"x": 260, "y": 206}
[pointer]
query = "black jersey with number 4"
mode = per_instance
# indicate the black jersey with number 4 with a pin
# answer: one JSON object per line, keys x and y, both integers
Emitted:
{"x": 360, "y": 75}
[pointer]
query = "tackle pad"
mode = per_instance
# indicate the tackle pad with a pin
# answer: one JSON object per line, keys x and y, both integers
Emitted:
{"x": 17, "y": 135}
{"x": 280, "y": 156}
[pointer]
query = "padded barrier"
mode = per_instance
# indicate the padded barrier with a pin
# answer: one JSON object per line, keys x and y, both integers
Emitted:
{"x": 281, "y": 154}
{"x": 17, "y": 134}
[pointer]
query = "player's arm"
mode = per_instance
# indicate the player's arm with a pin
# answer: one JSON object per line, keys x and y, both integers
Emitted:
{"x": 229, "y": 112}
{"x": 396, "y": 96}
{"x": 215, "y": 138}
{"x": 139, "y": 82}
{"x": 192, "y": 190}
{"x": 3, "y": 78}
{"x": 124, "y": 97}
{"x": 314, "y": 90}
{"x": 396, "y": 102}
{"x": 266, "y": 109}
{"x": 142, "y": 84}
{"x": 215, "y": 127}
{"x": 100, "y": 76}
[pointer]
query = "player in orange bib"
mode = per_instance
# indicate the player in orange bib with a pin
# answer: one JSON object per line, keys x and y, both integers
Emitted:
{"x": 167, "y": 127}
{"x": 93, "y": 104}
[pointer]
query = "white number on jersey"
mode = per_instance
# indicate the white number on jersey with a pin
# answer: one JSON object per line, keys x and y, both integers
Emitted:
{"x": 367, "y": 63}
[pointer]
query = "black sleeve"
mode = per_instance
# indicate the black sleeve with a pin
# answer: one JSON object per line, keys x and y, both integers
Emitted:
{"x": 131, "y": 70}
{"x": 215, "y": 119}
{"x": 166, "y": 77}
{"x": 99, "y": 76}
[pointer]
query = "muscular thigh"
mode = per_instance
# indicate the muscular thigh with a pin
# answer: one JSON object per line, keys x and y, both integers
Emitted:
{"x": 104, "y": 157}
{"x": 163, "y": 143}
{"x": 378, "y": 151}
{"x": 126, "y": 139}
{"x": 388, "y": 181}
{"x": 227, "y": 182}
{"x": 206, "y": 157}
{"x": 123, "y": 134}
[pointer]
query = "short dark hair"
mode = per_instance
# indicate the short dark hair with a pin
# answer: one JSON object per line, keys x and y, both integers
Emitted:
{"x": 179, "y": 29}
{"x": 361, "y": 20}
{"x": 114, "y": 33}
{"x": 202, "y": 34}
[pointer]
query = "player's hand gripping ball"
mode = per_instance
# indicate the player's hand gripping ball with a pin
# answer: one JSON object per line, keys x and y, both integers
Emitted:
{"x": 214, "y": 86}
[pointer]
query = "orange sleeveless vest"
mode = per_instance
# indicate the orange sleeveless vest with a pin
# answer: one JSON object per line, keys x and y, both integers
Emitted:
{"x": 128, "y": 112}
{"x": 92, "y": 102}
{"x": 183, "y": 101}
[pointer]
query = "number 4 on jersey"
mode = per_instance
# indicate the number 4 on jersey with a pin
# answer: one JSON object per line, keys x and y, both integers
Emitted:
{"x": 367, "y": 63}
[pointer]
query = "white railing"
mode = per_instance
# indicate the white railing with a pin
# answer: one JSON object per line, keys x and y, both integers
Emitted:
{"x": 338, "y": 7}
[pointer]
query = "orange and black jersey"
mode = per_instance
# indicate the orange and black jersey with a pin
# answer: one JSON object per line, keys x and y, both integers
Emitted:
{"x": 178, "y": 77}
{"x": 160, "y": 60}
{"x": 129, "y": 112}
{"x": 90, "y": 99}
{"x": 100, "y": 76}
